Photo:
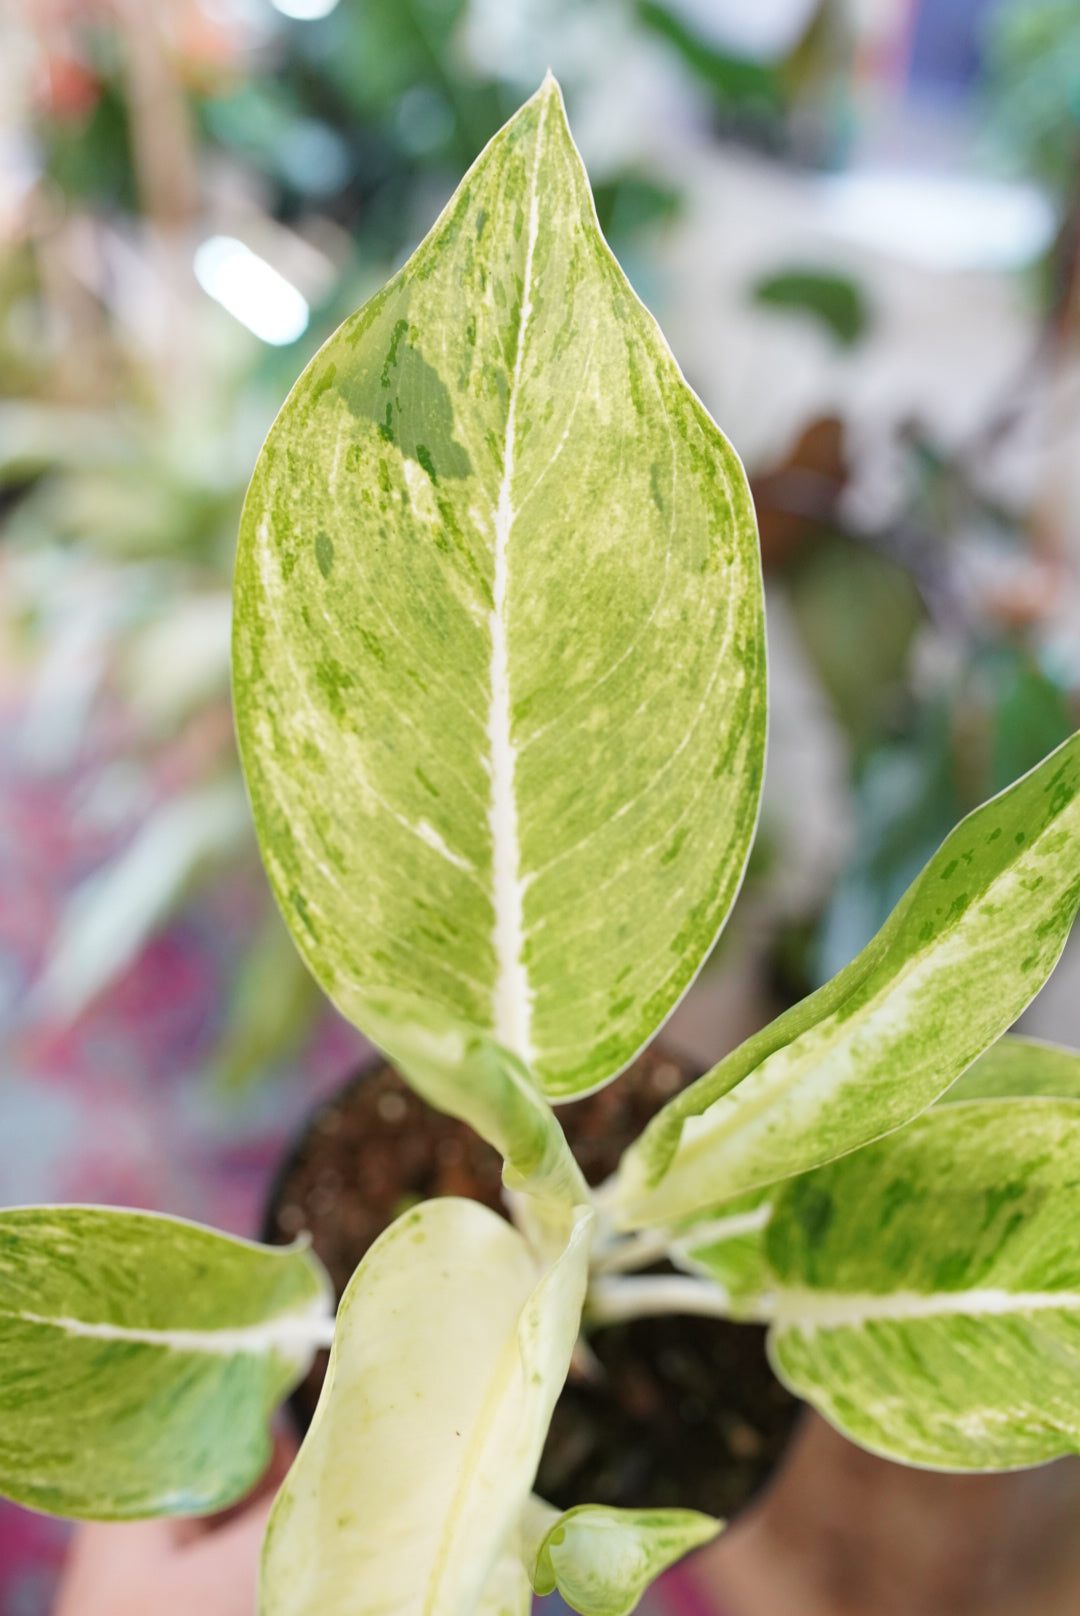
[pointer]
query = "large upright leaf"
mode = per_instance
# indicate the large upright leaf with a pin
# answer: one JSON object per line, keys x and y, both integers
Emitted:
{"x": 498, "y": 650}
{"x": 927, "y": 1288}
{"x": 970, "y": 943}
{"x": 450, "y": 1350}
{"x": 141, "y": 1358}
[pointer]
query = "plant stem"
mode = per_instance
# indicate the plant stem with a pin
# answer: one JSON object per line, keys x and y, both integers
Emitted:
{"x": 611, "y": 1300}
{"x": 634, "y": 1251}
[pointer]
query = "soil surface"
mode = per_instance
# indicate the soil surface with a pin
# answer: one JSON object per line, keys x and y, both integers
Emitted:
{"x": 679, "y": 1411}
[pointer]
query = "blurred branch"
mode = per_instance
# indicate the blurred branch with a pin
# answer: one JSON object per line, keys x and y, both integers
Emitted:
{"x": 161, "y": 127}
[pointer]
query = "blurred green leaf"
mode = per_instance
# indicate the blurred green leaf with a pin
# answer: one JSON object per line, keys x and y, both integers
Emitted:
{"x": 630, "y": 202}
{"x": 907, "y": 799}
{"x": 835, "y": 301}
{"x": 735, "y": 81}
{"x": 858, "y": 611}
{"x": 110, "y": 917}
{"x": 272, "y": 1006}
{"x": 1031, "y": 717}
{"x": 1032, "y": 63}
{"x": 90, "y": 159}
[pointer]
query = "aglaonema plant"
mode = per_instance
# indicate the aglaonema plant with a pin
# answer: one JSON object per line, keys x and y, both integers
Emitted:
{"x": 500, "y": 690}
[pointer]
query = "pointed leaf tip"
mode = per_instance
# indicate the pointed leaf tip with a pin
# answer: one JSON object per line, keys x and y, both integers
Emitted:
{"x": 965, "y": 950}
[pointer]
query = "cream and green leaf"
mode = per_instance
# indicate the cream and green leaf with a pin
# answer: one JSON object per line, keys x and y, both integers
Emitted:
{"x": 1019, "y": 1068}
{"x": 142, "y": 1357}
{"x": 600, "y": 1559}
{"x": 966, "y": 948}
{"x": 927, "y": 1288}
{"x": 451, "y": 1347}
{"x": 727, "y": 1247}
{"x": 498, "y": 648}
{"x": 727, "y": 1244}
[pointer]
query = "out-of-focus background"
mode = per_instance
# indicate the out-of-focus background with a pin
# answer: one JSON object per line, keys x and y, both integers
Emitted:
{"x": 858, "y": 222}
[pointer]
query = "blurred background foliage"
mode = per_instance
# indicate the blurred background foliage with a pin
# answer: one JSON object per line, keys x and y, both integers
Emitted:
{"x": 921, "y": 561}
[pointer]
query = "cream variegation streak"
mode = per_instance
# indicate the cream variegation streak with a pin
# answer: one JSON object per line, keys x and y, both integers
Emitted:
{"x": 925, "y": 1291}
{"x": 600, "y": 1559}
{"x": 451, "y": 1347}
{"x": 970, "y": 943}
{"x": 141, "y": 1358}
{"x": 498, "y": 647}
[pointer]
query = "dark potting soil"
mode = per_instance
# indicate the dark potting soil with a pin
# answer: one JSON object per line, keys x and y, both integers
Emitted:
{"x": 682, "y": 1411}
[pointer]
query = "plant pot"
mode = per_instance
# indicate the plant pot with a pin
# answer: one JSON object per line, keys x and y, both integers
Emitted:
{"x": 673, "y": 1411}
{"x": 844, "y": 1533}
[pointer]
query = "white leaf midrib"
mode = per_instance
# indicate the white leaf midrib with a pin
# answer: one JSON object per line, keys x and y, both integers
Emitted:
{"x": 807, "y": 1312}
{"x": 294, "y": 1334}
{"x": 512, "y": 995}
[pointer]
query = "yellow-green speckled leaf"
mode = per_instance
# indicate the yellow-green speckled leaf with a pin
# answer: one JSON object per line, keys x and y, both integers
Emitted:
{"x": 452, "y": 1344}
{"x": 727, "y": 1246}
{"x": 141, "y": 1358}
{"x": 927, "y": 1288}
{"x": 969, "y": 944}
{"x": 600, "y": 1559}
{"x": 498, "y": 649}
{"x": 1018, "y": 1068}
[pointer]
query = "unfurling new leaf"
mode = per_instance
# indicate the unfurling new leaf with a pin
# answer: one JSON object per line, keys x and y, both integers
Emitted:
{"x": 451, "y": 1347}
{"x": 601, "y": 1560}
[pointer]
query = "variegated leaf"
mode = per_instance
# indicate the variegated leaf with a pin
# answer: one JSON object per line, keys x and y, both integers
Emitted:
{"x": 450, "y": 1350}
{"x": 498, "y": 650}
{"x": 927, "y": 1288}
{"x": 141, "y": 1358}
{"x": 1019, "y": 1067}
{"x": 970, "y": 943}
{"x": 728, "y": 1248}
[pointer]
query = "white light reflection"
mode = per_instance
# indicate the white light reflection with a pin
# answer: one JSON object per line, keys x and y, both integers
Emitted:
{"x": 940, "y": 222}
{"x": 251, "y": 290}
{"x": 304, "y": 10}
